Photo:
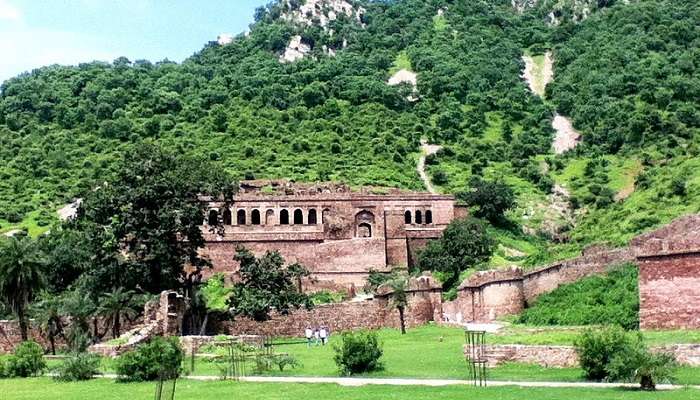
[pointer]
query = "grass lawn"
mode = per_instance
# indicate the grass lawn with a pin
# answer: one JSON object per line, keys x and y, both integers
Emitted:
{"x": 436, "y": 352}
{"x": 105, "y": 389}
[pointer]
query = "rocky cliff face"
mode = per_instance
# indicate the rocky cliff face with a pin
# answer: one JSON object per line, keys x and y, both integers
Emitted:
{"x": 306, "y": 13}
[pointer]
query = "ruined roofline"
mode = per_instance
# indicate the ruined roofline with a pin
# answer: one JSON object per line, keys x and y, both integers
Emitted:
{"x": 283, "y": 190}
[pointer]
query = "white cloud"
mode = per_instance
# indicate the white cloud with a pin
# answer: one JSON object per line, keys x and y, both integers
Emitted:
{"x": 8, "y": 12}
{"x": 23, "y": 49}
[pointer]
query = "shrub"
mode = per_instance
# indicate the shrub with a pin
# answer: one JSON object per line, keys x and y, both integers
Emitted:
{"x": 158, "y": 358}
{"x": 358, "y": 352}
{"x": 595, "y": 300}
{"x": 327, "y": 297}
{"x": 597, "y": 348}
{"x": 492, "y": 199}
{"x": 27, "y": 360}
{"x": 80, "y": 367}
{"x": 638, "y": 364}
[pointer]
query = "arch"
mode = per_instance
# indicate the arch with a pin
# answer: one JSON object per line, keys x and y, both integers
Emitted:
{"x": 363, "y": 224}
{"x": 312, "y": 220}
{"x": 419, "y": 217}
{"x": 364, "y": 230}
{"x": 227, "y": 217}
{"x": 324, "y": 215}
{"x": 255, "y": 217}
{"x": 269, "y": 217}
{"x": 298, "y": 217}
{"x": 240, "y": 217}
{"x": 428, "y": 217}
{"x": 284, "y": 217}
{"x": 213, "y": 218}
{"x": 407, "y": 216}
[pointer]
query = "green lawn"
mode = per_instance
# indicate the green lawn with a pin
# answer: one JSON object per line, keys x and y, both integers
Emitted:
{"x": 104, "y": 389}
{"x": 436, "y": 352}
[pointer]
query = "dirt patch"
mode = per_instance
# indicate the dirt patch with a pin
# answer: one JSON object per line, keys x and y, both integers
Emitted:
{"x": 567, "y": 137}
{"x": 426, "y": 150}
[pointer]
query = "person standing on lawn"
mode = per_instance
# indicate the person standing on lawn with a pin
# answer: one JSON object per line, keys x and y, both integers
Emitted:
{"x": 323, "y": 333}
{"x": 309, "y": 335}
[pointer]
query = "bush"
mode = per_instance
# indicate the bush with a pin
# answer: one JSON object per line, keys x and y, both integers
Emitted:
{"x": 27, "y": 360}
{"x": 492, "y": 199}
{"x": 327, "y": 297}
{"x": 638, "y": 364}
{"x": 597, "y": 348}
{"x": 158, "y": 358}
{"x": 80, "y": 367}
{"x": 358, "y": 352}
{"x": 596, "y": 300}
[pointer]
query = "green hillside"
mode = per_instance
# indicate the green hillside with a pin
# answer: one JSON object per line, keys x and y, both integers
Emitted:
{"x": 627, "y": 76}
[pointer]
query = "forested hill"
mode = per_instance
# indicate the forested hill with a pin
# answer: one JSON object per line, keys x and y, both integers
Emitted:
{"x": 305, "y": 97}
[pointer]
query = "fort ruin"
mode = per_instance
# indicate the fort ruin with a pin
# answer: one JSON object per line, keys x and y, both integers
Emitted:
{"x": 338, "y": 233}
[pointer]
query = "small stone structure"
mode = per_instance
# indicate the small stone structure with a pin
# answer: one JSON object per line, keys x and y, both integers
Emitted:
{"x": 669, "y": 275}
{"x": 161, "y": 318}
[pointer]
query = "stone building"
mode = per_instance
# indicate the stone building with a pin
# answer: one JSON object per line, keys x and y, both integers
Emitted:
{"x": 339, "y": 234}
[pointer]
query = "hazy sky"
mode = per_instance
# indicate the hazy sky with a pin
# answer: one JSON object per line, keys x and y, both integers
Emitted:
{"x": 34, "y": 33}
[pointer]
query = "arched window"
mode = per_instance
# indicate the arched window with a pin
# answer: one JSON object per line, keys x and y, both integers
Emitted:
{"x": 240, "y": 217}
{"x": 298, "y": 217}
{"x": 284, "y": 217}
{"x": 324, "y": 215}
{"x": 407, "y": 216}
{"x": 419, "y": 217}
{"x": 269, "y": 217}
{"x": 364, "y": 230}
{"x": 428, "y": 217}
{"x": 227, "y": 217}
{"x": 213, "y": 217}
{"x": 312, "y": 217}
{"x": 364, "y": 220}
{"x": 255, "y": 217}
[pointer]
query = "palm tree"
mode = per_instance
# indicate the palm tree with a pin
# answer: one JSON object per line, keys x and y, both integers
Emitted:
{"x": 80, "y": 308}
{"x": 21, "y": 276}
{"x": 115, "y": 305}
{"x": 47, "y": 313}
{"x": 398, "y": 297}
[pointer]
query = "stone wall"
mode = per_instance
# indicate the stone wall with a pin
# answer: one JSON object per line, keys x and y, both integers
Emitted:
{"x": 565, "y": 356}
{"x": 488, "y": 295}
{"x": 424, "y": 301}
{"x": 669, "y": 275}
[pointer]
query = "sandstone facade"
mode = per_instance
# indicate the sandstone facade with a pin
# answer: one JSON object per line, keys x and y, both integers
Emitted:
{"x": 337, "y": 233}
{"x": 669, "y": 275}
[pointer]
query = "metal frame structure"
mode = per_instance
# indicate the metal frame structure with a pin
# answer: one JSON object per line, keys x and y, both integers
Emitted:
{"x": 476, "y": 356}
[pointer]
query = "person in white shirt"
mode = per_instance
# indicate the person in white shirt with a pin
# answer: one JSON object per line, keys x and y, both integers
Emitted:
{"x": 309, "y": 335}
{"x": 323, "y": 333}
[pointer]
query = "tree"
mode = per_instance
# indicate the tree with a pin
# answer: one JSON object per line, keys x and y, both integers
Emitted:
{"x": 144, "y": 225}
{"x": 490, "y": 199}
{"x": 637, "y": 363}
{"x": 47, "y": 313}
{"x": 464, "y": 244}
{"x": 21, "y": 276}
{"x": 398, "y": 298}
{"x": 80, "y": 308}
{"x": 267, "y": 285}
{"x": 115, "y": 305}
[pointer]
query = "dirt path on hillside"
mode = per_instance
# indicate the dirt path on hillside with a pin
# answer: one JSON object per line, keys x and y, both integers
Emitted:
{"x": 538, "y": 77}
{"x": 426, "y": 150}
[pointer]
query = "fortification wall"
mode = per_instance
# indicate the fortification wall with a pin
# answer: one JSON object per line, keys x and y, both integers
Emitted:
{"x": 669, "y": 275}
{"x": 424, "y": 305}
{"x": 488, "y": 295}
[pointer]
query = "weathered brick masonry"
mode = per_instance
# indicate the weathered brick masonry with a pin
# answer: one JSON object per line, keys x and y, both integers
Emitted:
{"x": 338, "y": 233}
{"x": 424, "y": 305}
{"x": 488, "y": 295}
{"x": 669, "y": 275}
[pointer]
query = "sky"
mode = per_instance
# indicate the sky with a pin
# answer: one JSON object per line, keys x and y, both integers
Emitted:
{"x": 35, "y": 33}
